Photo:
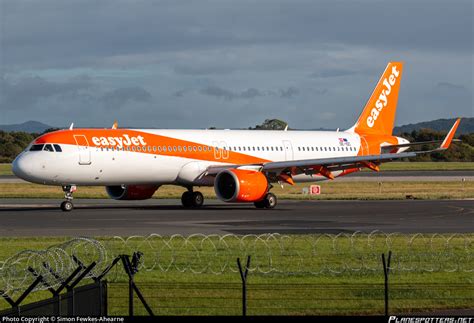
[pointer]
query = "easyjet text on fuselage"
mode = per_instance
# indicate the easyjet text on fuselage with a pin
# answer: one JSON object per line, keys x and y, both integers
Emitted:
{"x": 124, "y": 140}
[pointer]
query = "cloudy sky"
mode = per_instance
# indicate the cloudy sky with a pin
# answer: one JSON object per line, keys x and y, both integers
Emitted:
{"x": 228, "y": 63}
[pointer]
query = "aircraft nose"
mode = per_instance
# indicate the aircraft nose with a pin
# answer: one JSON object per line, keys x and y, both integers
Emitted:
{"x": 21, "y": 166}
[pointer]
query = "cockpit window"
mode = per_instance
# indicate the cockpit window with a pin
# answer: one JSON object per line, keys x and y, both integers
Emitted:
{"x": 48, "y": 147}
{"x": 58, "y": 148}
{"x": 36, "y": 147}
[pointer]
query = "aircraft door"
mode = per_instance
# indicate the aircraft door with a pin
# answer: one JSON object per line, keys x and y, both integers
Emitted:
{"x": 288, "y": 150}
{"x": 221, "y": 151}
{"x": 84, "y": 149}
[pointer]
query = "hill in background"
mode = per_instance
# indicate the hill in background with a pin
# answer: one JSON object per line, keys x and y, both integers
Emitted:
{"x": 29, "y": 126}
{"x": 466, "y": 126}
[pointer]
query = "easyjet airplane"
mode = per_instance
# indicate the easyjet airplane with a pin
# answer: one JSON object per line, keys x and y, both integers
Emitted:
{"x": 242, "y": 165}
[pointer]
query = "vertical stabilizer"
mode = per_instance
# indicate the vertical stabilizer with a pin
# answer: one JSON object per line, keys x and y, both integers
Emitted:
{"x": 378, "y": 115}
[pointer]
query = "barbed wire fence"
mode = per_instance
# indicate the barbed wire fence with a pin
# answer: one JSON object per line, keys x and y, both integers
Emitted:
{"x": 341, "y": 254}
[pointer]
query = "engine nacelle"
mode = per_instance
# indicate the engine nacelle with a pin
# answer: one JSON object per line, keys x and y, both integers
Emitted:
{"x": 131, "y": 192}
{"x": 240, "y": 185}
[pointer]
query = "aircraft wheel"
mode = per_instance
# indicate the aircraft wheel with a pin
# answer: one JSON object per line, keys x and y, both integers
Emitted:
{"x": 270, "y": 201}
{"x": 197, "y": 199}
{"x": 259, "y": 204}
{"x": 67, "y": 206}
{"x": 186, "y": 199}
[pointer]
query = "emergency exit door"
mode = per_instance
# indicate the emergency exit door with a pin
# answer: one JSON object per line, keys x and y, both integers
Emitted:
{"x": 83, "y": 149}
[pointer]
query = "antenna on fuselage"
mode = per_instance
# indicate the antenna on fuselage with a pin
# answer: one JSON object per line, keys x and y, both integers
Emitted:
{"x": 115, "y": 125}
{"x": 286, "y": 128}
{"x": 71, "y": 126}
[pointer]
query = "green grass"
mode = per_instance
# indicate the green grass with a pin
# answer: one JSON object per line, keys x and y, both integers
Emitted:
{"x": 333, "y": 190}
{"x": 6, "y": 169}
{"x": 440, "y": 281}
{"x": 427, "y": 166}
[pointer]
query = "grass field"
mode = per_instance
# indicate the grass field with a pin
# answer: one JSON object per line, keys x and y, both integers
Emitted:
{"x": 5, "y": 169}
{"x": 330, "y": 190}
{"x": 435, "y": 282}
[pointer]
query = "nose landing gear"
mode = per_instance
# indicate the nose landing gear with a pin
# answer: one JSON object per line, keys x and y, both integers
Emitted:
{"x": 67, "y": 205}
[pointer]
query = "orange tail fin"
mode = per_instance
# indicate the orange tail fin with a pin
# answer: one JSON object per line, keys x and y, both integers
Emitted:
{"x": 378, "y": 115}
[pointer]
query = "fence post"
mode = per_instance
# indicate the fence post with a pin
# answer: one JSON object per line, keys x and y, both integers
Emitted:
{"x": 131, "y": 268}
{"x": 386, "y": 271}
{"x": 243, "y": 276}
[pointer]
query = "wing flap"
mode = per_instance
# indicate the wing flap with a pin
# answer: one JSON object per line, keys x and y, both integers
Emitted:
{"x": 336, "y": 163}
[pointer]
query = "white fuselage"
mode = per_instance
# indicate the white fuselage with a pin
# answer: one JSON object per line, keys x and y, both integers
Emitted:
{"x": 106, "y": 165}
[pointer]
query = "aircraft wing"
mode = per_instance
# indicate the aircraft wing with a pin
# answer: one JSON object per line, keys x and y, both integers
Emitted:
{"x": 325, "y": 166}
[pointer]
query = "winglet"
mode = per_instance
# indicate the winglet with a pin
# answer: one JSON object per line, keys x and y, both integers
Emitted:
{"x": 115, "y": 125}
{"x": 450, "y": 135}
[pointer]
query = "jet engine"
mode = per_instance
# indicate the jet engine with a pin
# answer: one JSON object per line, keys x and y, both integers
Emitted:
{"x": 131, "y": 192}
{"x": 240, "y": 185}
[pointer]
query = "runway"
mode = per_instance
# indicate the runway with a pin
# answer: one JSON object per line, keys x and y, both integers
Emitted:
{"x": 41, "y": 217}
{"x": 382, "y": 176}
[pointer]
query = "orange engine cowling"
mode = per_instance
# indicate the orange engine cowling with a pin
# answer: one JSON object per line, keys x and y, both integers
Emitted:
{"x": 240, "y": 185}
{"x": 131, "y": 192}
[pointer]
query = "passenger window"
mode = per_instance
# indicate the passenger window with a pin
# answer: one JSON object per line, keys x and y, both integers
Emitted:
{"x": 258, "y": 148}
{"x": 57, "y": 148}
{"x": 185, "y": 148}
{"x": 200, "y": 148}
{"x": 194, "y": 148}
{"x": 48, "y": 147}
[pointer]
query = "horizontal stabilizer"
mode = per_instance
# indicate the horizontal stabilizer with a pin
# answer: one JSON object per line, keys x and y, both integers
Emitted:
{"x": 418, "y": 143}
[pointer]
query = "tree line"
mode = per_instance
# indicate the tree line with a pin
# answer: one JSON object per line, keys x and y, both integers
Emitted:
{"x": 12, "y": 143}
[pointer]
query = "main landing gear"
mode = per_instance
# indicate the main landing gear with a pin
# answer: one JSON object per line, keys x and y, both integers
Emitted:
{"x": 191, "y": 199}
{"x": 67, "y": 205}
{"x": 268, "y": 202}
